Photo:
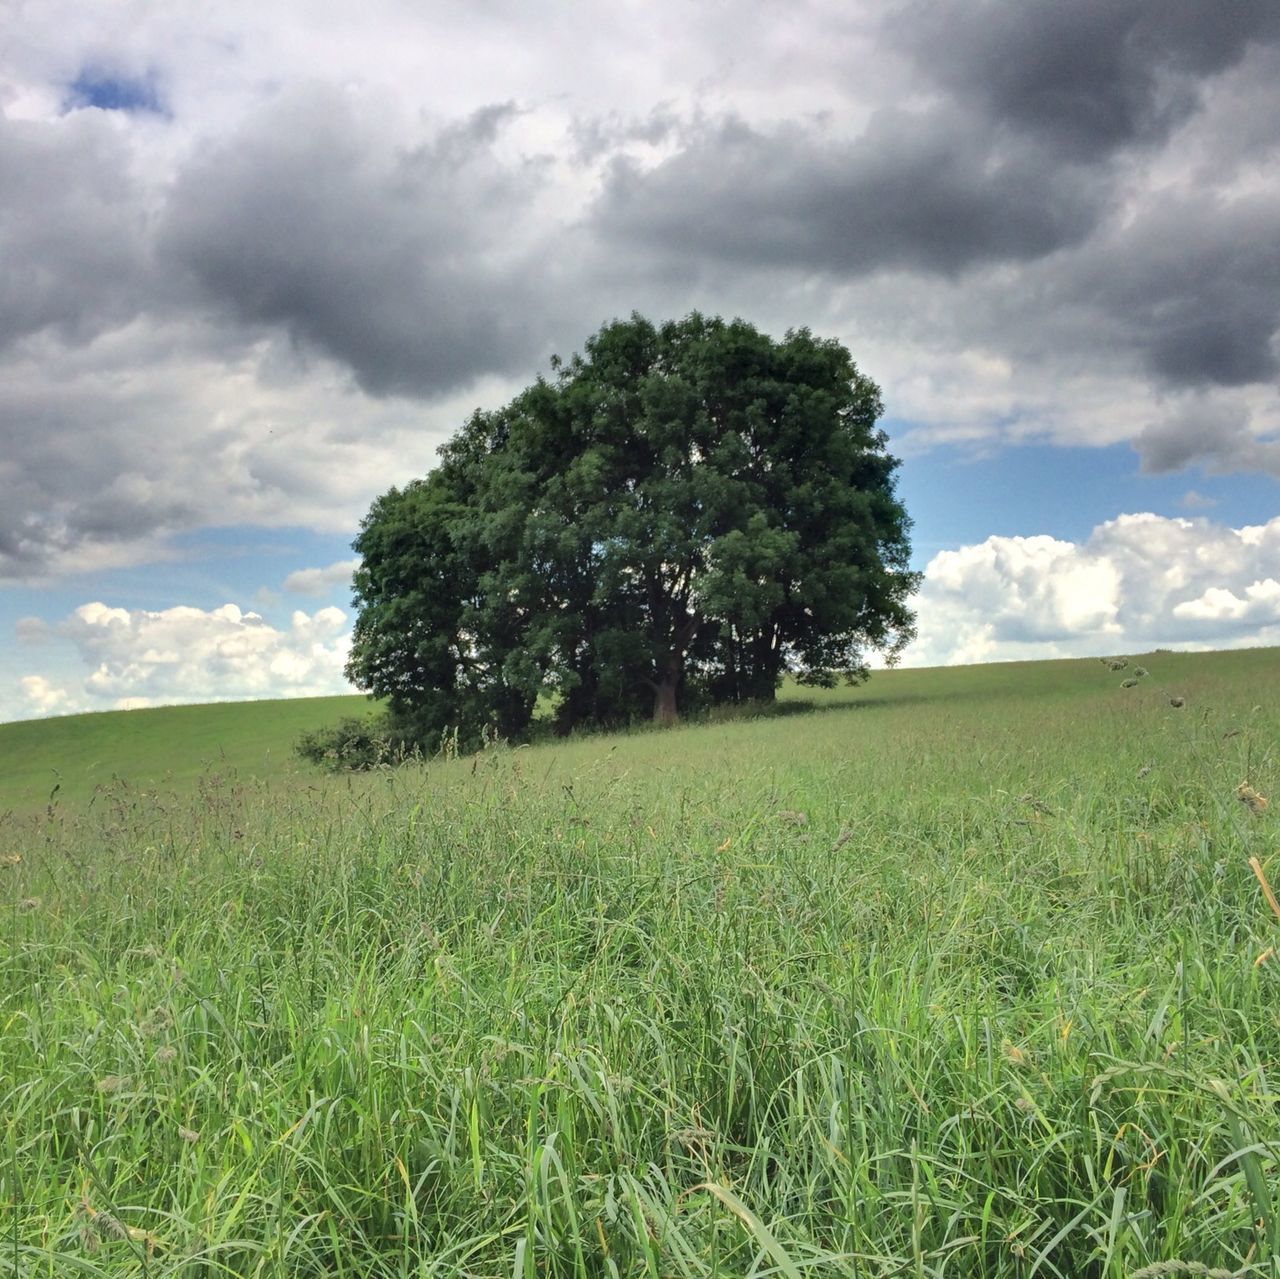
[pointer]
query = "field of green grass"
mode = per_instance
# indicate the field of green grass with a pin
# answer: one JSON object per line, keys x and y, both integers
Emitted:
{"x": 961, "y": 973}
{"x": 170, "y": 747}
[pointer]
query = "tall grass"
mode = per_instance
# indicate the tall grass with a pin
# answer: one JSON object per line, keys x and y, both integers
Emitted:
{"x": 950, "y": 985}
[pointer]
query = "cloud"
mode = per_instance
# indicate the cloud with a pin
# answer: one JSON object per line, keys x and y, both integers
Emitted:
{"x": 1260, "y": 605}
{"x": 73, "y": 230}
{"x": 40, "y": 697}
{"x": 1194, "y": 501}
{"x": 1080, "y": 193}
{"x": 32, "y": 630}
{"x": 100, "y": 468}
{"x": 410, "y": 259}
{"x": 1086, "y": 78}
{"x": 140, "y": 657}
{"x": 1216, "y": 435}
{"x": 1138, "y": 582}
{"x": 270, "y": 298}
{"x": 933, "y": 191}
{"x": 321, "y": 581}
{"x": 1191, "y": 284}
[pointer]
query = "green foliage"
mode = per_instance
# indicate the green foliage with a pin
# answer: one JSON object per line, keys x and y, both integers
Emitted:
{"x": 354, "y": 744}
{"x": 683, "y": 516}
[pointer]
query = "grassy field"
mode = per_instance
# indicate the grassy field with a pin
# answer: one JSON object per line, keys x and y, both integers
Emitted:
{"x": 170, "y": 747}
{"x": 964, "y": 973}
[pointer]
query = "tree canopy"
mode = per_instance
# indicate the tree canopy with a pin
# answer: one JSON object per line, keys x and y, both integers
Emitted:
{"x": 679, "y": 516}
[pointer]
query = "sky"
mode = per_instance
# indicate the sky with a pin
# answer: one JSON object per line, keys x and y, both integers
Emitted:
{"x": 258, "y": 261}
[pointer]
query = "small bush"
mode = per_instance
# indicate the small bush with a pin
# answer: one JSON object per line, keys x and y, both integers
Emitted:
{"x": 353, "y": 745}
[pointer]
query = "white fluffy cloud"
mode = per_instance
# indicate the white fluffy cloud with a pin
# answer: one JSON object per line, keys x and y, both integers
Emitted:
{"x": 1261, "y": 604}
{"x": 144, "y": 658}
{"x": 1137, "y": 582}
{"x": 42, "y": 697}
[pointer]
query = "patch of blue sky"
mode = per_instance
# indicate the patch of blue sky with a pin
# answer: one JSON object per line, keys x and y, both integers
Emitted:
{"x": 958, "y": 497}
{"x": 245, "y": 566}
{"x": 108, "y": 92}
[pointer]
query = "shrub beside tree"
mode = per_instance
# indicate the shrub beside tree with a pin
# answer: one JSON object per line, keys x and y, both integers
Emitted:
{"x": 677, "y": 517}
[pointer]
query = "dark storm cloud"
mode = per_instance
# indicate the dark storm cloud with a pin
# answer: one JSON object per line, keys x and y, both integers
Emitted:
{"x": 73, "y": 229}
{"x": 937, "y": 192}
{"x": 1191, "y": 285}
{"x": 1085, "y": 77}
{"x": 410, "y": 265}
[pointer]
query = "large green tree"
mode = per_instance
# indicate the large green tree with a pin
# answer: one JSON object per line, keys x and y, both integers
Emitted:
{"x": 679, "y": 515}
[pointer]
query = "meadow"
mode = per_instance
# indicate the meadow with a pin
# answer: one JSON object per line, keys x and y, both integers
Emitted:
{"x": 963, "y": 972}
{"x": 168, "y": 747}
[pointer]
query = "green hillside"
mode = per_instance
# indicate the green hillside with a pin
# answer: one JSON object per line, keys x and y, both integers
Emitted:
{"x": 172, "y": 747}
{"x": 963, "y": 972}
{"x": 168, "y": 746}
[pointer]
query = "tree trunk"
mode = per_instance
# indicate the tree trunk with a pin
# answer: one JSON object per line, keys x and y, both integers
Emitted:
{"x": 664, "y": 702}
{"x": 669, "y": 671}
{"x": 761, "y": 683}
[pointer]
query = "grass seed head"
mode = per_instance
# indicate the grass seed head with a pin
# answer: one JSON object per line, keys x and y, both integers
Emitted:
{"x": 1255, "y": 803}
{"x": 1014, "y": 1054}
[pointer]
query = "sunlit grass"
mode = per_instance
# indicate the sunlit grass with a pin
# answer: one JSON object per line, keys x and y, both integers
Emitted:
{"x": 168, "y": 748}
{"x": 967, "y": 975}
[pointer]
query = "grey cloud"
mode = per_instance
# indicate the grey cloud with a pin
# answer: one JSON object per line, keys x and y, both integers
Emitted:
{"x": 1082, "y": 195}
{"x": 1192, "y": 285}
{"x": 1177, "y": 294}
{"x": 74, "y": 253}
{"x": 480, "y": 129}
{"x": 1208, "y": 433}
{"x": 937, "y": 191}
{"x": 412, "y": 266}
{"x": 1157, "y": 266}
{"x": 100, "y": 467}
{"x": 81, "y": 471}
{"x": 1090, "y": 76}
{"x": 595, "y": 136}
